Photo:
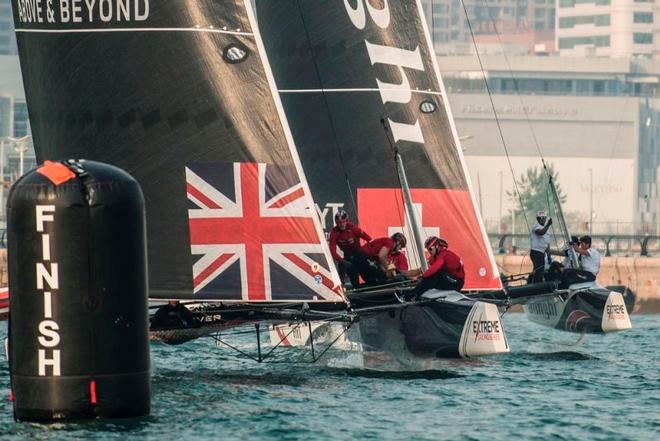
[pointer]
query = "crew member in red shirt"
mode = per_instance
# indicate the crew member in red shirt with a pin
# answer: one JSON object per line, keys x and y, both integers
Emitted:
{"x": 378, "y": 252}
{"x": 397, "y": 263}
{"x": 347, "y": 237}
{"x": 445, "y": 269}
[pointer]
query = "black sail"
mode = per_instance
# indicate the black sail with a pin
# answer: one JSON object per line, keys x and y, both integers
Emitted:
{"x": 179, "y": 94}
{"x": 340, "y": 68}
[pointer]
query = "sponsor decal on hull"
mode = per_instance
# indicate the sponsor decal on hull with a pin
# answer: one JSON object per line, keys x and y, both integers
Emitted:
{"x": 574, "y": 319}
{"x": 615, "y": 314}
{"x": 547, "y": 312}
{"x": 289, "y": 335}
{"x": 483, "y": 333}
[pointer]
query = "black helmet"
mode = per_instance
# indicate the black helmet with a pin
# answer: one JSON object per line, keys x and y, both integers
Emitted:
{"x": 400, "y": 238}
{"x": 341, "y": 216}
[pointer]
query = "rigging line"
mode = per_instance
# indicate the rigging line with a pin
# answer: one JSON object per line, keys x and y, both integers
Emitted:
{"x": 497, "y": 120}
{"x": 218, "y": 339}
{"x": 327, "y": 108}
{"x": 293, "y": 328}
{"x": 515, "y": 82}
{"x": 332, "y": 343}
{"x": 527, "y": 118}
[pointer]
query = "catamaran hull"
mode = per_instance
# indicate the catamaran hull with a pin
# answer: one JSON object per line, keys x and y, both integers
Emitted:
{"x": 444, "y": 325}
{"x": 586, "y": 308}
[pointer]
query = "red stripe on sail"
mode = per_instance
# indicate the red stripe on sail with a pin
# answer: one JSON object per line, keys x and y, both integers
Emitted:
{"x": 217, "y": 263}
{"x": 288, "y": 199}
{"x": 200, "y": 197}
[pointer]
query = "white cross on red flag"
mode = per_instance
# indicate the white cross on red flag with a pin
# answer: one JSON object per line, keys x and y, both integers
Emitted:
{"x": 450, "y": 212}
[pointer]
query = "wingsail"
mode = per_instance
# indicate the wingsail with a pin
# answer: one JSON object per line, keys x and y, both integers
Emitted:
{"x": 180, "y": 95}
{"x": 341, "y": 68}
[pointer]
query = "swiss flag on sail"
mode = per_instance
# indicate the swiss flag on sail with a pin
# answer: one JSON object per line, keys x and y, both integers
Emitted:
{"x": 252, "y": 235}
{"x": 445, "y": 213}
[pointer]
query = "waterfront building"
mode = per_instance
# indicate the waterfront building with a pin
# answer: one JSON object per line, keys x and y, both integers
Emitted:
{"x": 7, "y": 35}
{"x": 597, "y": 121}
{"x": 608, "y": 28}
{"x": 16, "y": 147}
{"x": 447, "y": 18}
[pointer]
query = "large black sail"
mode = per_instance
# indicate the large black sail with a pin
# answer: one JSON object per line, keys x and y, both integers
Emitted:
{"x": 179, "y": 94}
{"x": 341, "y": 67}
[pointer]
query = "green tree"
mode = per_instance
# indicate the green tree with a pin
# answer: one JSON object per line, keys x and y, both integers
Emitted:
{"x": 535, "y": 193}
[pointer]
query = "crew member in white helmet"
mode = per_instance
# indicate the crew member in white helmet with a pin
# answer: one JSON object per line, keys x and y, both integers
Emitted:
{"x": 539, "y": 243}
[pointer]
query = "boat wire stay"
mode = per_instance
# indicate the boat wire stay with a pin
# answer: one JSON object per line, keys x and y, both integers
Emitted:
{"x": 262, "y": 358}
{"x": 497, "y": 119}
{"x": 552, "y": 188}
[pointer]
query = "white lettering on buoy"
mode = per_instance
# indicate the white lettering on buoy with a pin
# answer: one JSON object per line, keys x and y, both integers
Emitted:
{"x": 47, "y": 278}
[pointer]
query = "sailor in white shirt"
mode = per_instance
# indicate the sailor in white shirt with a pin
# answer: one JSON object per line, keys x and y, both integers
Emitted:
{"x": 589, "y": 257}
{"x": 539, "y": 243}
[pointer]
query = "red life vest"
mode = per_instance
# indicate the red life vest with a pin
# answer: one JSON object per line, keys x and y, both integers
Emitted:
{"x": 348, "y": 240}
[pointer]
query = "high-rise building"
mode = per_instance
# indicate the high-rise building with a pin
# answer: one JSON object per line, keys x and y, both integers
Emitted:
{"x": 449, "y": 23}
{"x": 608, "y": 28}
{"x": 7, "y": 34}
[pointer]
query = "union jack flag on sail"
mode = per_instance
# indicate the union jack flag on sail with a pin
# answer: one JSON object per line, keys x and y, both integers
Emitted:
{"x": 253, "y": 237}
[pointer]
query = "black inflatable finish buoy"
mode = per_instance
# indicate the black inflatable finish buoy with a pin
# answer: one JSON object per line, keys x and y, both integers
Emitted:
{"x": 78, "y": 330}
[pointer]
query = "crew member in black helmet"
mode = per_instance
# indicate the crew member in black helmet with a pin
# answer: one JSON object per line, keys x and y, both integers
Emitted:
{"x": 346, "y": 236}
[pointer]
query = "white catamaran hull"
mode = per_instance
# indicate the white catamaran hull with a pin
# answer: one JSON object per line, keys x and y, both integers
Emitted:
{"x": 584, "y": 308}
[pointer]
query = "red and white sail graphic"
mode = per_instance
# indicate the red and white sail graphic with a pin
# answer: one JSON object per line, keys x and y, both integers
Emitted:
{"x": 253, "y": 237}
{"x": 445, "y": 213}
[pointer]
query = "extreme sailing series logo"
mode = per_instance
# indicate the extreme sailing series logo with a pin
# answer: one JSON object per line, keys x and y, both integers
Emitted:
{"x": 616, "y": 312}
{"x": 81, "y": 11}
{"x": 486, "y": 330}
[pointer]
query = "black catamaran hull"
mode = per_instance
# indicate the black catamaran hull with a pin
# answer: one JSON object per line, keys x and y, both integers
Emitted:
{"x": 583, "y": 308}
{"x": 443, "y": 325}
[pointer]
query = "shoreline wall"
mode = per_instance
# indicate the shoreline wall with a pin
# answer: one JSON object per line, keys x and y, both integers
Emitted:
{"x": 640, "y": 274}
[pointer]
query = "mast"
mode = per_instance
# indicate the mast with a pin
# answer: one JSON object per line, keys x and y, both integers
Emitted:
{"x": 412, "y": 214}
{"x": 562, "y": 222}
{"x": 407, "y": 200}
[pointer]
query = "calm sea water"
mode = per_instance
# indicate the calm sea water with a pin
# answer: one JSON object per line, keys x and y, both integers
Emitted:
{"x": 549, "y": 387}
